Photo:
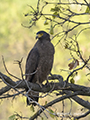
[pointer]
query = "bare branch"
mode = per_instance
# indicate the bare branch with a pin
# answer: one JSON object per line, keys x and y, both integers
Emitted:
{"x": 51, "y": 103}
{"x": 19, "y": 63}
{"x": 7, "y": 70}
{"x": 82, "y": 116}
{"x": 8, "y": 95}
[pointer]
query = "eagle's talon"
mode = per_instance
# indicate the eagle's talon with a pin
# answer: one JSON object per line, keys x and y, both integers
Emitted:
{"x": 47, "y": 83}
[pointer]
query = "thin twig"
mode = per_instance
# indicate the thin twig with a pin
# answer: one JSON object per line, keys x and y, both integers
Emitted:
{"x": 19, "y": 63}
{"x": 8, "y": 95}
{"x": 82, "y": 116}
{"x": 7, "y": 69}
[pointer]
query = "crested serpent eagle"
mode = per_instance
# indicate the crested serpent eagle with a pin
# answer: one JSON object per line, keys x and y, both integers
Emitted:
{"x": 39, "y": 63}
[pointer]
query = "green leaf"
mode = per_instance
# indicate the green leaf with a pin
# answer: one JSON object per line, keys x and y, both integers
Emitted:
{"x": 45, "y": 102}
{"x": 51, "y": 30}
{"x": 45, "y": 22}
{"x": 66, "y": 45}
{"x": 52, "y": 9}
{"x": 55, "y": 14}
{"x": 42, "y": 118}
{"x": 87, "y": 10}
{"x": 30, "y": 21}
{"x": 12, "y": 117}
{"x": 32, "y": 108}
{"x": 51, "y": 111}
{"x": 56, "y": 9}
{"x": 72, "y": 80}
{"x": 73, "y": 118}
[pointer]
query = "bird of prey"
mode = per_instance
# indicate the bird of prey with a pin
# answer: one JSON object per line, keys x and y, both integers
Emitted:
{"x": 39, "y": 63}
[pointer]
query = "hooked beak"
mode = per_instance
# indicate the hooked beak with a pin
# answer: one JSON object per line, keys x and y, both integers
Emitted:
{"x": 39, "y": 35}
{"x": 36, "y": 36}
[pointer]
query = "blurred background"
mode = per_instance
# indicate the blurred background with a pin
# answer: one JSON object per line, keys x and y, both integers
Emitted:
{"x": 16, "y": 41}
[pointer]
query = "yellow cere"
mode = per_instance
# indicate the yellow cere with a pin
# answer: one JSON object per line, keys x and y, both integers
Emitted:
{"x": 40, "y": 35}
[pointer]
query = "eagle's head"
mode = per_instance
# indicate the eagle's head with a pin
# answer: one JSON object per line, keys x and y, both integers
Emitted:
{"x": 42, "y": 35}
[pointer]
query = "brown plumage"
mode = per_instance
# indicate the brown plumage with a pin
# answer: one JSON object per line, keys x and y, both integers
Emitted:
{"x": 39, "y": 62}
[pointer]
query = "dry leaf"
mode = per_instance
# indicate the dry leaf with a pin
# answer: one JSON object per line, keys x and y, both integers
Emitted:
{"x": 73, "y": 64}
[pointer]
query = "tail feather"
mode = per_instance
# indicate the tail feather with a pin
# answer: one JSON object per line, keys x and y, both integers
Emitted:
{"x": 34, "y": 97}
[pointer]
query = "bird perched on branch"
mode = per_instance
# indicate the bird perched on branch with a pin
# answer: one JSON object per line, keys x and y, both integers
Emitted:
{"x": 39, "y": 63}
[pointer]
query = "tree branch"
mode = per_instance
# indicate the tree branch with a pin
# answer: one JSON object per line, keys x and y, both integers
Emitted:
{"x": 81, "y": 116}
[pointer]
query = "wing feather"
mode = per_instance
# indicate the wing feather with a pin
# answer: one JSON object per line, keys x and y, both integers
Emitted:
{"x": 32, "y": 64}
